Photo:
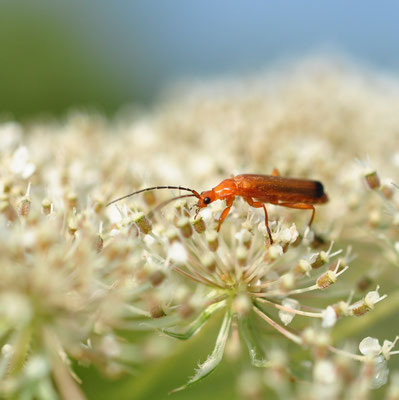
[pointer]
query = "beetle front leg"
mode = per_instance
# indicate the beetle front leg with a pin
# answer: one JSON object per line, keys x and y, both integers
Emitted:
{"x": 223, "y": 215}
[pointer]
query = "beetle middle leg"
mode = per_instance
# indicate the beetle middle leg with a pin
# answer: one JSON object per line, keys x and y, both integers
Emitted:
{"x": 259, "y": 204}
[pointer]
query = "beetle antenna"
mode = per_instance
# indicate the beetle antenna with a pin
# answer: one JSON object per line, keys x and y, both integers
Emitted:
{"x": 194, "y": 193}
{"x": 166, "y": 202}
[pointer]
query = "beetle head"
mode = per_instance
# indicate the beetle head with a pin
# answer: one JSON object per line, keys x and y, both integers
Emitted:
{"x": 206, "y": 198}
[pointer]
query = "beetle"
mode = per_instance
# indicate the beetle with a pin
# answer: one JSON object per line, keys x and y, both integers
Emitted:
{"x": 256, "y": 190}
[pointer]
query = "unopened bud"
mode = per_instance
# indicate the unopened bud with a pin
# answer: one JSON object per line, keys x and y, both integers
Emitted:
{"x": 359, "y": 308}
{"x": 98, "y": 243}
{"x": 73, "y": 225}
{"x": 46, "y": 206}
{"x": 186, "y": 310}
{"x": 213, "y": 240}
{"x": 185, "y": 227}
{"x": 72, "y": 199}
{"x": 317, "y": 242}
{"x": 327, "y": 279}
{"x": 98, "y": 205}
{"x": 156, "y": 311}
{"x": 303, "y": 267}
{"x": 275, "y": 251}
{"x": 322, "y": 258}
{"x": 24, "y": 207}
{"x": 171, "y": 235}
{"x": 199, "y": 225}
{"x": 387, "y": 191}
{"x": 7, "y": 210}
{"x": 374, "y": 218}
{"x": 149, "y": 198}
{"x": 209, "y": 263}
{"x": 142, "y": 222}
{"x": 341, "y": 309}
{"x": 241, "y": 254}
{"x": 157, "y": 277}
{"x": 242, "y": 305}
{"x": 372, "y": 180}
{"x": 287, "y": 282}
{"x": 364, "y": 283}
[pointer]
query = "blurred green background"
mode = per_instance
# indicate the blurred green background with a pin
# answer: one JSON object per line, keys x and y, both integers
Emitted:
{"x": 101, "y": 55}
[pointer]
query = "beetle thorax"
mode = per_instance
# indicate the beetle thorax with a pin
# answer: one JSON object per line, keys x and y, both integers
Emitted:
{"x": 225, "y": 189}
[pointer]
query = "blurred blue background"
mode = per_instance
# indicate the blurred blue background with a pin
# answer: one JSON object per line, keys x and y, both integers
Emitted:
{"x": 101, "y": 55}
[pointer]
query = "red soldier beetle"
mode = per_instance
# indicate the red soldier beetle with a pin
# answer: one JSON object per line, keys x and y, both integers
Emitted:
{"x": 256, "y": 190}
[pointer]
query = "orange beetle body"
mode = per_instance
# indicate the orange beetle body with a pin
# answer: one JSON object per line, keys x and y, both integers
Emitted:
{"x": 256, "y": 190}
{"x": 273, "y": 189}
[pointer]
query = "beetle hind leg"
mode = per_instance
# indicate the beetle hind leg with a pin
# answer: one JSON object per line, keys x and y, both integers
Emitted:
{"x": 300, "y": 206}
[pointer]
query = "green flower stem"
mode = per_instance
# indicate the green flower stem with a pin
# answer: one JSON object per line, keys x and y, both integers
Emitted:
{"x": 198, "y": 323}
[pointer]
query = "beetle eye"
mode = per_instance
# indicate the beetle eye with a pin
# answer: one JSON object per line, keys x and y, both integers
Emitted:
{"x": 207, "y": 200}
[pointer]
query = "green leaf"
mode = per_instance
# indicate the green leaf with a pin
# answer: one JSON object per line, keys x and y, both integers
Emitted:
{"x": 214, "y": 359}
{"x": 246, "y": 333}
{"x": 197, "y": 324}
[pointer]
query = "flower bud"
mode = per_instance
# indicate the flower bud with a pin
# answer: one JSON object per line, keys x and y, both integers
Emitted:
{"x": 46, "y": 206}
{"x": 73, "y": 225}
{"x": 72, "y": 200}
{"x": 149, "y": 198}
{"x": 241, "y": 254}
{"x": 142, "y": 222}
{"x": 286, "y": 316}
{"x": 209, "y": 262}
{"x": 242, "y": 304}
{"x": 275, "y": 251}
{"x": 8, "y": 211}
{"x": 287, "y": 282}
{"x": 322, "y": 258}
{"x": 24, "y": 207}
{"x": 98, "y": 243}
{"x": 327, "y": 279}
{"x": 185, "y": 227}
{"x": 157, "y": 277}
{"x": 199, "y": 224}
{"x": 303, "y": 267}
{"x": 213, "y": 240}
{"x": 372, "y": 180}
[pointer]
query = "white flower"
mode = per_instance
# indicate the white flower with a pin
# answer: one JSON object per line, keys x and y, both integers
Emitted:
{"x": 10, "y": 135}
{"x": 370, "y": 347}
{"x": 289, "y": 235}
{"x": 373, "y": 298}
{"x": 286, "y": 316}
{"x": 324, "y": 372}
{"x": 20, "y": 163}
{"x": 275, "y": 251}
{"x": 329, "y": 317}
{"x": 381, "y": 372}
{"x": 36, "y": 368}
{"x": 177, "y": 253}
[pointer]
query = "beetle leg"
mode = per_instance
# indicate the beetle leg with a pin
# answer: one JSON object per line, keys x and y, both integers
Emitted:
{"x": 259, "y": 204}
{"x": 300, "y": 206}
{"x": 223, "y": 215}
{"x": 275, "y": 172}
